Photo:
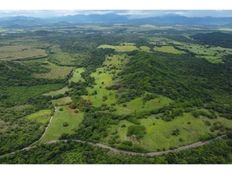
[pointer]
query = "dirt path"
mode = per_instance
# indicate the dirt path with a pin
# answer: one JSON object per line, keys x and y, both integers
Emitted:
{"x": 112, "y": 149}
{"x": 148, "y": 154}
{"x": 49, "y": 123}
{"x": 125, "y": 152}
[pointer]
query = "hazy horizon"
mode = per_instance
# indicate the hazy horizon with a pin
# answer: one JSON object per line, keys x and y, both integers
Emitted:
{"x": 130, "y": 13}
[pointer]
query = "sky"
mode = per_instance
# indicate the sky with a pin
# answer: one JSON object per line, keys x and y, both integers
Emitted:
{"x": 131, "y": 13}
{"x": 115, "y": 4}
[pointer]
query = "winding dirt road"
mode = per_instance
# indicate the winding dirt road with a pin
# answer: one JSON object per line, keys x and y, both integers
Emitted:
{"x": 112, "y": 149}
{"x": 119, "y": 151}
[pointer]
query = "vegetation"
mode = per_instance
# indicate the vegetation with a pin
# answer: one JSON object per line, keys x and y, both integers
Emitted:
{"x": 168, "y": 49}
{"x": 64, "y": 122}
{"x": 218, "y": 152}
{"x": 137, "y": 88}
{"x": 20, "y": 52}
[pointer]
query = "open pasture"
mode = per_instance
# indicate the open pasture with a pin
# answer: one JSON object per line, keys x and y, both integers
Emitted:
{"x": 41, "y": 116}
{"x": 98, "y": 94}
{"x": 120, "y": 48}
{"x": 54, "y": 72}
{"x": 163, "y": 135}
{"x": 62, "y": 101}
{"x": 62, "y": 58}
{"x": 210, "y": 53}
{"x": 65, "y": 121}
{"x": 76, "y": 77}
{"x": 21, "y": 94}
{"x": 137, "y": 105}
{"x": 21, "y": 52}
{"x": 126, "y": 47}
{"x": 57, "y": 92}
{"x": 168, "y": 49}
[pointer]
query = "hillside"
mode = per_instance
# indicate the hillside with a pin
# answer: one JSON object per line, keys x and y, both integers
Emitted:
{"x": 115, "y": 93}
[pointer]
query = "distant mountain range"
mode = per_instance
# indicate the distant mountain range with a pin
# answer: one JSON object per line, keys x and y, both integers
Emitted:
{"x": 112, "y": 18}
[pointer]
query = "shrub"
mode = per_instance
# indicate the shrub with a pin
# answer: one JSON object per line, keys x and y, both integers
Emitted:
{"x": 65, "y": 124}
{"x": 137, "y": 131}
{"x": 176, "y": 132}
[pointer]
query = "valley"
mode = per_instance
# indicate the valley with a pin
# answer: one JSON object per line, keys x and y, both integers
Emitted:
{"x": 84, "y": 91}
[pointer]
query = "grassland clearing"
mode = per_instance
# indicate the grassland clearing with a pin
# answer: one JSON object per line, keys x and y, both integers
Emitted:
{"x": 76, "y": 77}
{"x": 126, "y": 47}
{"x": 160, "y": 134}
{"x": 65, "y": 121}
{"x": 62, "y": 101}
{"x": 211, "y": 54}
{"x": 103, "y": 79}
{"x": 60, "y": 57}
{"x": 55, "y": 72}
{"x": 21, "y": 94}
{"x": 21, "y": 52}
{"x": 120, "y": 48}
{"x": 137, "y": 105}
{"x": 168, "y": 49}
{"x": 41, "y": 116}
{"x": 3, "y": 126}
{"x": 61, "y": 91}
{"x": 19, "y": 108}
{"x": 145, "y": 48}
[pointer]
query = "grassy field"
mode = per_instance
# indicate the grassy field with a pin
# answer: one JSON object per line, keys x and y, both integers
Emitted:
{"x": 60, "y": 57}
{"x": 18, "y": 95}
{"x": 19, "y": 108}
{"x": 57, "y": 92}
{"x": 55, "y": 72}
{"x": 126, "y": 47}
{"x": 159, "y": 133}
{"x": 120, "y": 48}
{"x": 145, "y": 48}
{"x": 212, "y": 54}
{"x": 65, "y": 121}
{"x": 77, "y": 75}
{"x": 62, "y": 101}
{"x": 104, "y": 78}
{"x": 168, "y": 49}
{"x": 137, "y": 105}
{"x": 3, "y": 126}
{"x": 41, "y": 116}
{"x": 19, "y": 52}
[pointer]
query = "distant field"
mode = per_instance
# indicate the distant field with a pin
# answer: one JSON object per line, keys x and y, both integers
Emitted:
{"x": 77, "y": 75}
{"x": 65, "y": 121}
{"x": 21, "y": 52}
{"x": 3, "y": 126}
{"x": 145, "y": 48}
{"x": 212, "y": 54}
{"x": 55, "y": 72}
{"x": 120, "y": 48}
{"x": 57, "y": 92}
{"x": 126, "y": 47}
{"x": 41, "y": 116}
{"x": 62, "y": 101}
{"x": 19, "y": 95}
{"x": 168, "y": 49}
{"x": 62, "y": 58}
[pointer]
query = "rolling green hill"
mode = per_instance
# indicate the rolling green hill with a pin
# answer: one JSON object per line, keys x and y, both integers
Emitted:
{"x": 102, "y": 93}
